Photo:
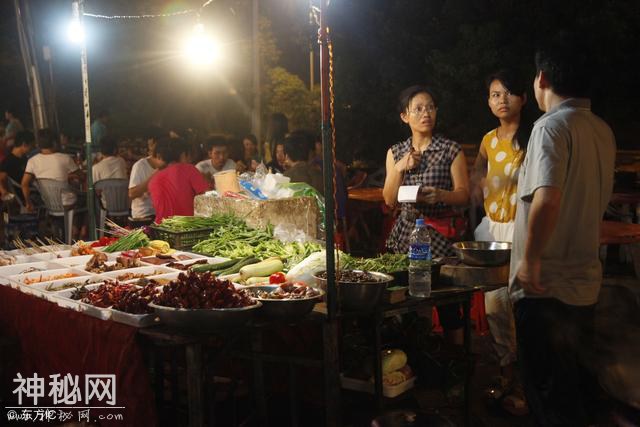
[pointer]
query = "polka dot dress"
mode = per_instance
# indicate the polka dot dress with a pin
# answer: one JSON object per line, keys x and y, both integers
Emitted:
{"x": 501, "y": 184}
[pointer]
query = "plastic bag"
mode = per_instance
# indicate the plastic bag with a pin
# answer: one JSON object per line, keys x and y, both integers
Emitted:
{"x": 288, "y": 233}
{"x": 302, "y": 189}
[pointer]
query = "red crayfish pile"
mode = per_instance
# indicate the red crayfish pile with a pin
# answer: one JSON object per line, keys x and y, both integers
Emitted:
{"x": 195, "y": 290}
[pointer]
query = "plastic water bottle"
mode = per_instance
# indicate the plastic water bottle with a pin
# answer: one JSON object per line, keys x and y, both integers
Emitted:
{"x": 420, "y": 261}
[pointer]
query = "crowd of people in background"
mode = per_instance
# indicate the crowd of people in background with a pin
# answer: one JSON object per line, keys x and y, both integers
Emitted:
{"x": 165, "y": 170}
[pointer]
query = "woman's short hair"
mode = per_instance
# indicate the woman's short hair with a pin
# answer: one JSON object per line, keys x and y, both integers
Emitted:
{"x": 405, "y": 97}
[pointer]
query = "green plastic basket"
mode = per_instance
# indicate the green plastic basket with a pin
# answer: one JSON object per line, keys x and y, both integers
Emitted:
{"x": 182, "y": 240}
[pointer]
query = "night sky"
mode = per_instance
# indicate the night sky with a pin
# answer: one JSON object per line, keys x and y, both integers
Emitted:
{"x": 381, "y": 47}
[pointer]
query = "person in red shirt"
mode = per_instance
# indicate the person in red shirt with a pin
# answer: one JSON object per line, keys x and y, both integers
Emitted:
{"x": 173, "y": 188}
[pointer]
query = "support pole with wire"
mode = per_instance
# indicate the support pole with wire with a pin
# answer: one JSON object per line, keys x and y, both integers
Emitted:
{"x": 78, "y": 13}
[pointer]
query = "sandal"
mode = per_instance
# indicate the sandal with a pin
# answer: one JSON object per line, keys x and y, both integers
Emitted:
{"x": 497, "y": 389}
{"x": 515, "y": 402}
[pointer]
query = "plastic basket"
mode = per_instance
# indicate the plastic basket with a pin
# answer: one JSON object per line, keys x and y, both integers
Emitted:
{"x": 181, "y": 239}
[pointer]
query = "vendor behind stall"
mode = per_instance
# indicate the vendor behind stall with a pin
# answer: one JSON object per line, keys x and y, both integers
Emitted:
{"x": 437, "y": 164}
{"x": 173, "y": 188}
{"x": 297, "y": 148}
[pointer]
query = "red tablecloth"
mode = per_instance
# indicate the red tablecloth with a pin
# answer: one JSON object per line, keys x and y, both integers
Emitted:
{"x": 54, "y": 340}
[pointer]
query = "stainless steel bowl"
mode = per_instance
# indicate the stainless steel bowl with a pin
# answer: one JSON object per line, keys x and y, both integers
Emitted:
{"x": 483, "y": 254}
{"x": 284, "y": 308}
{"x": 358, "y": 296}
{"x": 205, "y": 319}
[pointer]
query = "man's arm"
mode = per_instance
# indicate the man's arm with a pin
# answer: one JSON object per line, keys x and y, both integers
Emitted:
{"x": 26, "y": 190}
{"x": 543, "y": 217}
{"x": 140, "y": 189}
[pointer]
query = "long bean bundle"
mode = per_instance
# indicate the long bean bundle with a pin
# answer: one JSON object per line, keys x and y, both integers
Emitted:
{"x": 237, "y": 240}
{"x": 385, "y": 263}
{"x": 187, "y": 223}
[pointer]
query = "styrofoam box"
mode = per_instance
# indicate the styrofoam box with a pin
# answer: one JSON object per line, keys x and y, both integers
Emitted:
{"x": 81, "y": 260}
{"x": 63, "y": 299}
{"x": 18, "y": 258}
{"x": 135, "y": 320}
{"x": 210, "y": 260}
{"x": 166, "y": 276}
{"x": 111, "y": 262}
{"x": 57, "y": 284}
{"x": 192, "y": 257}
{"x": 368, "y": 386}
{"x": 12, "y": 270}
{"x": 150, "y": 270}
{"x": 20, "y": 278}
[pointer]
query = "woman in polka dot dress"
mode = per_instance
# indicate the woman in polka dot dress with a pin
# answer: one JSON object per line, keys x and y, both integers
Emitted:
{"x": 438, "y": 166}
{"x": 495, "y": 180}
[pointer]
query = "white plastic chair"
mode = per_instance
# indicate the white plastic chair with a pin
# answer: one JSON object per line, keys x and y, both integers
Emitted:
{"x": 51, "y": 191}
{"x": 114, "y": 200}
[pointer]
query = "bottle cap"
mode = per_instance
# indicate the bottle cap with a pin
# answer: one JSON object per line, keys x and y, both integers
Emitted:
{"x": 420, "y": 222}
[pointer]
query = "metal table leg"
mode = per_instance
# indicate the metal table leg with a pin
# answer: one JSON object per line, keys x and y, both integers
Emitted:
{"x": 466, "y": 305}
{"x": 194, "y": 384}
{"x": 258, "y": 378}
{"x": 293, "y": 395}
{"x": 377, "y": 360}
{"x": 331, "y": 373}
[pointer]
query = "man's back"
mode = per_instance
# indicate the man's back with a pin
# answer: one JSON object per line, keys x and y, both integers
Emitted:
{"x": 574, "y": 150}
{"x": 304, "y": 172}
{"x": 56, "y": 166}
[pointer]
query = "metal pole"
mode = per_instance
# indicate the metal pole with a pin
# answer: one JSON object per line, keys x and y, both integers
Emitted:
{"x": 35, "y": 70}
{"x": 256, "y": 126}
{"x": 327, "y": 162}
{"x": 311, "y": 61}
{"x": 78, "y": 13}
{"x": 26, "y": 58}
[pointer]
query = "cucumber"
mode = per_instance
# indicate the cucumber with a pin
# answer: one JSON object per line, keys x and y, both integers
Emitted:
{"x": 203, "y": 268}
{"x": 257, "y": 280}
{"x": 261, "y": 269}
{"x": 237, "y": 266}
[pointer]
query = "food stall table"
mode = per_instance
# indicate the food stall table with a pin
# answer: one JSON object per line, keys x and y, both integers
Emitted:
{"x": 54, "y": 340}
{"x": 158, "y": 337}
{"x": 440, "y": 295}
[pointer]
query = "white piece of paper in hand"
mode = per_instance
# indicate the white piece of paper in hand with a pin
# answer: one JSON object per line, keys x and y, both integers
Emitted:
{"x": 408, "y": 193}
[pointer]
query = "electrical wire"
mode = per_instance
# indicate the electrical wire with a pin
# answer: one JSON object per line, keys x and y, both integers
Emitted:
{"x": 151, "y": 16}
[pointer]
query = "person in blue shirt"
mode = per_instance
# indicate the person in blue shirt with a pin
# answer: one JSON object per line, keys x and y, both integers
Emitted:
{"x": 99, "y": 127}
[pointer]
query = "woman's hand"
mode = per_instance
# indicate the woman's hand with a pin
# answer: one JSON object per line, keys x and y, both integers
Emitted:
{"x": 429, "y": 195}
{"x": 409, "y": 161}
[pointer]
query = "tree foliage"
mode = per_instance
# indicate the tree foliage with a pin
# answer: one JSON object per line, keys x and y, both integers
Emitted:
{"x": 287, "y": 94}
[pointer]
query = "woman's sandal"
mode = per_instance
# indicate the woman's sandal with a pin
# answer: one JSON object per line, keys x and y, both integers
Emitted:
{"x": 496, "y": 391}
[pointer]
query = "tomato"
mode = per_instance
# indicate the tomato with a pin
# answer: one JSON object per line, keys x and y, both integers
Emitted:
{"x": 277, "y": 278}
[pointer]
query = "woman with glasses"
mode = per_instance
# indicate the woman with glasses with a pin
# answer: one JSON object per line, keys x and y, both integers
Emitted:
{"x": 495, "y": 183}
{"x": 438, "y": 166}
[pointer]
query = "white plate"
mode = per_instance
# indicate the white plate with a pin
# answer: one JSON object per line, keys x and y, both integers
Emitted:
{"x": 20, "y": 278}
{"x": 12, "y": 270}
